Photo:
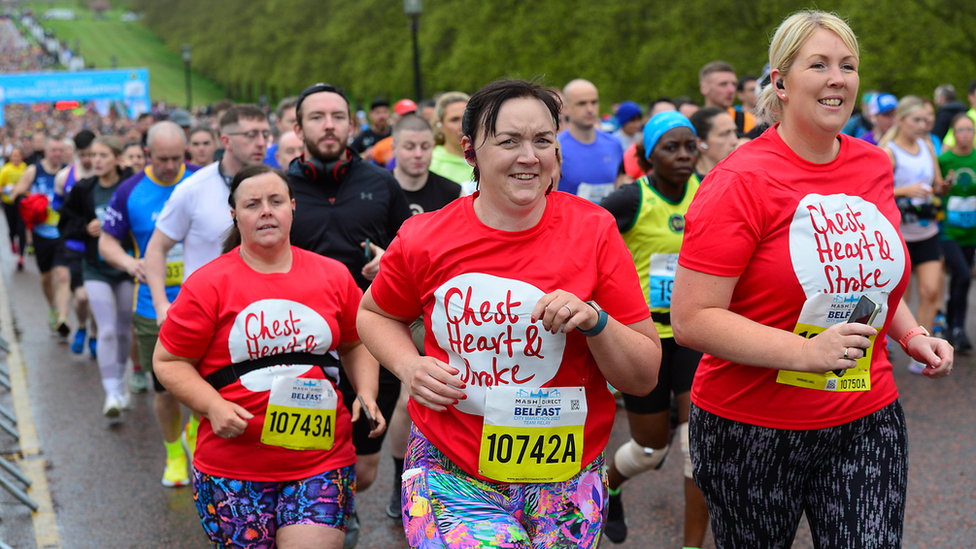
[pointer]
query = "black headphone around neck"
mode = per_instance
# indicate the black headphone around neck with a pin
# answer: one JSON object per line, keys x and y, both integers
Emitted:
{"x": 336, "y": 170}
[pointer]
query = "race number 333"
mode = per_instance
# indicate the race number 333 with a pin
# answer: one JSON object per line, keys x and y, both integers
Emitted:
{"x": 301, "y": 414}
{"x": 532, "y": 435}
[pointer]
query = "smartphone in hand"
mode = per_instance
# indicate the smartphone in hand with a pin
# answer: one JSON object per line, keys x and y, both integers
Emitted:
{"x": 365, "y": 410}
{"x": 864, "y": 312}
{"x": 368, "y": 252}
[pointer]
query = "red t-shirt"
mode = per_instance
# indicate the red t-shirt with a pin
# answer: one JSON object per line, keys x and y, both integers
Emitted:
{"x": 790, "y": 230}
{"x": 228, "y": 313}
{"x": 491, "y": 281}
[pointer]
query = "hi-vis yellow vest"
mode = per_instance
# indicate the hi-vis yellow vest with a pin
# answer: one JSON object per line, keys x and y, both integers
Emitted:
{"x": 654, "y": 240}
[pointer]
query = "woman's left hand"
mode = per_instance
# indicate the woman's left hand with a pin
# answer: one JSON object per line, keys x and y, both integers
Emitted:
{"x": 561, "y": 310}
{"x": 374, "y": 411}
{"x": 935, "y": 353}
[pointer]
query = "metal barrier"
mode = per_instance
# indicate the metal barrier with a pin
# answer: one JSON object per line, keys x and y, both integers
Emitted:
{"x": 11, "y": 429}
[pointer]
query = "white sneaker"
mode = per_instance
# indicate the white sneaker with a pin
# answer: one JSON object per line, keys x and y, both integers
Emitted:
{"x": 916, "y": 367}
{"x": 113, "y": 406}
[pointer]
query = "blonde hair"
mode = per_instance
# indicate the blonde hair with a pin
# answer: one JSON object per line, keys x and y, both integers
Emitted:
{"x": 906, "y": 106}
{"x": 111, "y": 142}
{"x": 786, "y": 44}
{"x": 440, "y": 108}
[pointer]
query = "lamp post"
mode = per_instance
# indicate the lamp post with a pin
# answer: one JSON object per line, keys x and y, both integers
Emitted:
{"x": 187, "y": 57}
{"x": 413, "y": 9}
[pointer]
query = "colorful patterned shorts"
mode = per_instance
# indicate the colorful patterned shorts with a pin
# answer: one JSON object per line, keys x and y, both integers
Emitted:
{"x": 241, "y": 513}
{"x": 444, "y": 507}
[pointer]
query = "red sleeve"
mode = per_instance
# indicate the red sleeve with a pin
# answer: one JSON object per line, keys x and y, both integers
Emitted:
{"x": 191, "y": 322}
{"x": 618, "y": 289}
{"x": 350, "y": 306}
{"x": 723, "y": 226}
{"x": 395, "y": 289}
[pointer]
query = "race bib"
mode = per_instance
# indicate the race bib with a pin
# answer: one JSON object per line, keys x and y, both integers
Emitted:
{"x": 301, "y": 414}
{"x": 961, "y": 212}
{"x": 532, "y": 435}
{"x": 594, "y": 192}
{"x": 662, "y": 271}
{"x": 174, "y": 265}
{"x": 819, "y": 313}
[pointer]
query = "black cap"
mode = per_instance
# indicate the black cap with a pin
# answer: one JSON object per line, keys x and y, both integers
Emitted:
{"x": 379, "y": 102}
{"x": 318, "y": 88}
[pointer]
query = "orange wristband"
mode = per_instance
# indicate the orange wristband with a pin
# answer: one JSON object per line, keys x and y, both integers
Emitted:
{"x": 910, "y": 334}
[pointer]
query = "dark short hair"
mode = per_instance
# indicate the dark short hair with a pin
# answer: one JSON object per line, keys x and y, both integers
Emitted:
{"x": 284, "y": 105}
{"x": 144, "y": 116}
{"x": 959, "y": 116}
{"x": 703, "y": 120}
{"x": 683, "y": 100}
{"x": 83, "y": 139}
{"x": 481, "y": 114}
{"x": 312, "y": 90}
{"x": 233, "y": 238}
{"x": 745, "y": 80}
{"x": 712, "y": 67}
{"x": 222, "y": 105}
{"x": 426, "y": 103}
{"x": 241, "y": 112}
{"x": 197, "y": 129}
{"x": 412, "y": 123}
{"x": 379, "y": 102}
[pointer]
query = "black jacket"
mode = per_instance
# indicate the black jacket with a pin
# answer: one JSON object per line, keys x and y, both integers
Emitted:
{"x": 944, "y": 116}
{"x": 333, "y": 218}
{"x": 79, "y": 209}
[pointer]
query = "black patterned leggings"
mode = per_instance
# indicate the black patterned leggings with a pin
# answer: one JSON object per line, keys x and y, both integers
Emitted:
{"x": 850, "y": 480}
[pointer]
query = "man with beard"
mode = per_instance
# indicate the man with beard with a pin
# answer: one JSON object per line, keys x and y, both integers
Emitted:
{"x": 348, "y": 210}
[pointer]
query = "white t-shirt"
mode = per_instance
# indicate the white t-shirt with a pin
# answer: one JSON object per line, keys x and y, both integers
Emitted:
{"x": 197, "y": 214}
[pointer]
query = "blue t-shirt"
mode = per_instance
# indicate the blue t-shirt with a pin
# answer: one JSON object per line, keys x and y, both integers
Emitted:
{"x": 590, "y": 171}
{"x": 44, "y": 184}
{"x": 269, "y": 157}
{"x": 132, "y": 213}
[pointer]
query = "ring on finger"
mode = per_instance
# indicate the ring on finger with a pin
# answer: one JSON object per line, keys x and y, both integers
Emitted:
{"x": 846, "y": 350}
{"x": 570, "y": 309}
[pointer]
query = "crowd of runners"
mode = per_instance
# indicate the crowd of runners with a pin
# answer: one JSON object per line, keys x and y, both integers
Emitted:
{"x": 481, "y": 279}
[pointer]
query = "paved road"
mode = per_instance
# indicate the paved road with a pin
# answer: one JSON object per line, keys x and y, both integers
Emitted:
{"x": 104, "y": 477}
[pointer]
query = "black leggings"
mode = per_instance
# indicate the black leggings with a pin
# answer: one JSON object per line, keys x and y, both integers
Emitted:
{"x": 850, "y": 480}
{"x": 959, "y": 259}
{"x": 15, "y": 227}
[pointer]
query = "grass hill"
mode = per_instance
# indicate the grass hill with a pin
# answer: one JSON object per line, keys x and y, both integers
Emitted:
{"x": 133, "y": 45}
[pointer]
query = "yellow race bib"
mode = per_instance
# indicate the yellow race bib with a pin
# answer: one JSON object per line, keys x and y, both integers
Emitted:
{"x": 301, "y": 414}
{"x": 533, "y": 435}
{"x": 819, "y": 313}
{"x": 174, "y": 265}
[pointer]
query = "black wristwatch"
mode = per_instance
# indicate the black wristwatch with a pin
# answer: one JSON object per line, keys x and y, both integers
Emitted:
{"x": 601, "y": 321}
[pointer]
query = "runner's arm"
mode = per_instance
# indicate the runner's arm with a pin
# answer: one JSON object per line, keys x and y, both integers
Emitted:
{"x": 431, "y": 382}
{"x": 701, "y": 320}
{"x": 627, "y": 355}
{"x": 181, "y": 378}
{"x": 60, "y": 179}
{"x": 933, "y": 351}
{"x": 24, "y": 184}
{"x": 159, "y": 245}
{"x": 364, "y": 374}
{"x": 112, "y": 252}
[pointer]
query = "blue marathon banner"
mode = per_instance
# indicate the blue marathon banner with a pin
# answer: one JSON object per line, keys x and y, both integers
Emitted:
{"x": 131, "y": 86}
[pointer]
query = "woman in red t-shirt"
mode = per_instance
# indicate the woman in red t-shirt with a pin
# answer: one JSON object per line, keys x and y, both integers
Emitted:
{"x": 250, "y": 344}
{"x": 510, "y": 403}
{"x": 783, "y": 238}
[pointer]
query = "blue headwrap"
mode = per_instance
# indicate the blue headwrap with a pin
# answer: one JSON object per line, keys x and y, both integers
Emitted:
{"x": 659, "y": 125}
